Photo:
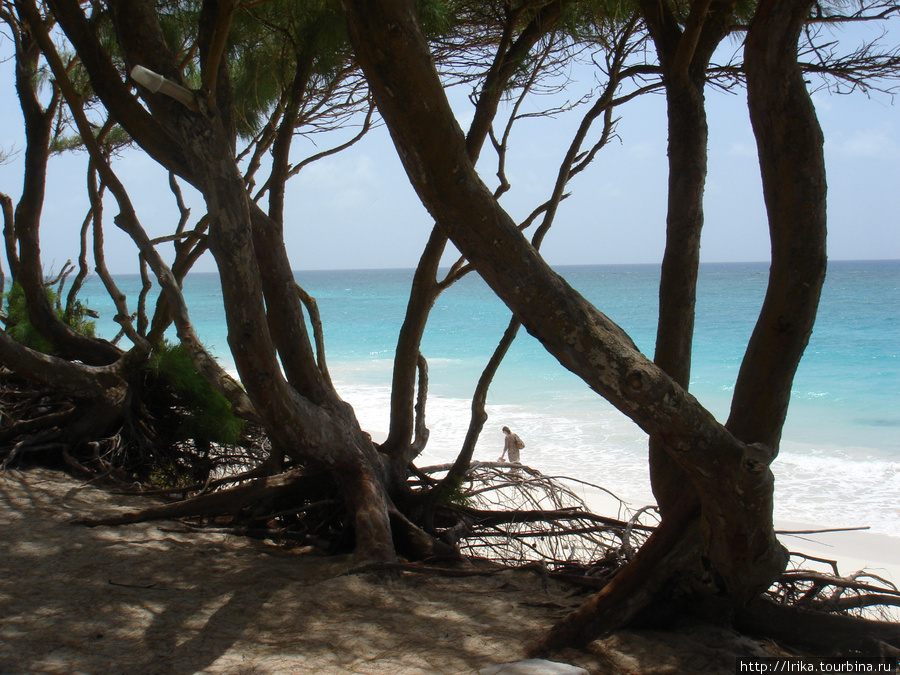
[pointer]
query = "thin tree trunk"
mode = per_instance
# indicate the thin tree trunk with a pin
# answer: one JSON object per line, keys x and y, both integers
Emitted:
{"x": 479, "y": 416}
{"x": 9, "y": 233}
{"x": 688, "y": 136}
{"x": 792, "y": 165}
{"x": 510, "y": 55}
{"x": 684, "y": 54}
{"x": 423, "y": 293}
{"x": 29, "y": 272}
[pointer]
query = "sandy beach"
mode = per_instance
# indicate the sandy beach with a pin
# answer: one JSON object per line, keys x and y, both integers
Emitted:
{"x": 157, "y": 598}
{"x": 857, "y": 550}
{"x": 875, "y": 553}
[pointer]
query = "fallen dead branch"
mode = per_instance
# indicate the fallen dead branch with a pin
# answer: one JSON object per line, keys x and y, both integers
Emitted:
{"x": 512, "y": 514}
{"x": 861, "y": 594}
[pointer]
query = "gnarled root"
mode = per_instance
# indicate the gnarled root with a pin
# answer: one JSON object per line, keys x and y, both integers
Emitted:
{"x": 230, "y": 501}
{"x": 820, "y": 632}
{"x": 630, "y": 592}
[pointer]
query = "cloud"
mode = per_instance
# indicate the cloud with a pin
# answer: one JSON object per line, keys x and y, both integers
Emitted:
{"x": 879, "y": 143}
{"x": 349, "y": 169}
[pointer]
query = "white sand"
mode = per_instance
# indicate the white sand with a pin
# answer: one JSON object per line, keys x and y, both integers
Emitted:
{"x": 878, "y": 554}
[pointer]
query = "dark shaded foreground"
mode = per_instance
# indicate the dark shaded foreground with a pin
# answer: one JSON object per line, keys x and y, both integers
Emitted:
{"x": 157, "y": 598}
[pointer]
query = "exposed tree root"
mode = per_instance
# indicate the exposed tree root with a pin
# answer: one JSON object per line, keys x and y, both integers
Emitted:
{"x": 49, "y": 420}
{"x": 224, "y": 502}
{"x": 512, "y": 514}
{"x": 204, "y": 486}
{"x": 628, "y": 593}
{"x": 818, "y": 631}
{"x": 126, "y": 434}
{"x": 500, "y": 517}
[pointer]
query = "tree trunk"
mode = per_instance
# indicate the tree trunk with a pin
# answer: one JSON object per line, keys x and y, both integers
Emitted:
{"x": 425, "y": 290}
{"x": 681, "y": 262}
{"x": 28, "y": 270}
{"x": 9, "y": 234}
{"x": 510, "y": 55}
{"x": 684, "y": 56}
{"x": 792, "y": 164}
{"x": 304, "y": 415}
{"x": 734, "y": 481}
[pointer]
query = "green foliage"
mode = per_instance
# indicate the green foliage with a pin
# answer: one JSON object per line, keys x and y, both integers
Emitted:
{"x": 208, "y": 415}
{"x": 436, "y": 16}
{"x": 452, "y": 492}
{"x": 116, "y": 139}
{"x": 310, "y": 36}
{"x": 168, "y": 475}
{"x": 19, "y": 327}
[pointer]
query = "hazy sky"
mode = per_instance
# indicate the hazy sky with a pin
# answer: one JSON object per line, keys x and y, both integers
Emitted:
{"x": 357, "y": 210}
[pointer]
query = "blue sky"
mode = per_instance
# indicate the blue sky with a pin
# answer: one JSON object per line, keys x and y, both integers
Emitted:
{"x": 357, "y": 210}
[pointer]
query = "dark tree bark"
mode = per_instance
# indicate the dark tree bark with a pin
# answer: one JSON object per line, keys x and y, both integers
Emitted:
{"x": 101, "y": 392}
{"x": 734, "y": 481}
{"x": 28, "y": 270}
{"x": 479, "y": 414}
{"x": 684, "y": 55}
{"x": 294, "y": 345}
{"x": 422, "y": 296}
{"x": 792, "y": 164}
{"x": 9, "y": 233}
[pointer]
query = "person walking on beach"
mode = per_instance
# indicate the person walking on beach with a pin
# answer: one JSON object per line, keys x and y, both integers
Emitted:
{"x": 511, "y": 446}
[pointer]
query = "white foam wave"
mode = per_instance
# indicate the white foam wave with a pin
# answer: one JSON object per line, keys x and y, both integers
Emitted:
{"x": 837, "y": 490}
{"x": 828, "y": 488}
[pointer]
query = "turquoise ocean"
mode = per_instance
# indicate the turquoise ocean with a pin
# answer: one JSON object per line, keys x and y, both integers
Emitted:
{"x": 839, "y": 462}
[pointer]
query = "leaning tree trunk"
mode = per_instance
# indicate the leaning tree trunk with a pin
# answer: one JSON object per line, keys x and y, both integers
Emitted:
{"x": 733, "y": 480}
{"x": 512, "y": 52}
{"x": 299, "y": 409}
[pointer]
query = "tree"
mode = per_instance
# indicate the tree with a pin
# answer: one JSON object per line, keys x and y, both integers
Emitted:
{"x": 717, "y": 542}
{"x": 521, "y": 26}
{"x": 300, "y": 409}
{"x": 302, "y": 413}
{"x": 684, "y": 53}
{"x": 728, "y": 543}
{"x": 23, "y": 224}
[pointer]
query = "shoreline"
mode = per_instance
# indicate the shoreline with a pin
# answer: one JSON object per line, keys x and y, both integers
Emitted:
{"x": 853, "y": 551}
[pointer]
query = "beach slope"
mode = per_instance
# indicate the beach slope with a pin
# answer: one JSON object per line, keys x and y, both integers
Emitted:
{"x": 158, "y": 598}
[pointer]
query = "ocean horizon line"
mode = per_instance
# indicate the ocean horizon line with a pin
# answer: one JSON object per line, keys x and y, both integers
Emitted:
{"x": 572, "y": 266}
